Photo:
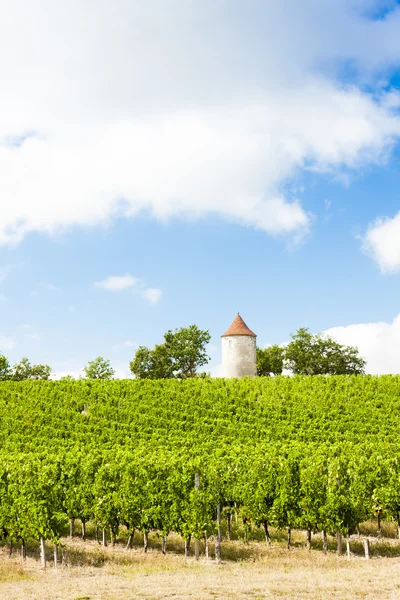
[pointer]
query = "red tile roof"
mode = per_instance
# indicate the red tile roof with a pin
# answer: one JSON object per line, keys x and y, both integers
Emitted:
{"x": 238, "y": 327}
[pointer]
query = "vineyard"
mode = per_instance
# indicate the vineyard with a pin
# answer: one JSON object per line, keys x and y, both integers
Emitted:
{"x": 318, "y": 454}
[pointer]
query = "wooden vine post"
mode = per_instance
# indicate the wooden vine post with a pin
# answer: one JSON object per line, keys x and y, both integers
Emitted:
{"x": 366, "y": 548}
{"x": 83, "y": 530}
{"x": 42, "y": 553}
{"x": 339, "y": 543}
{"x": 218, "y": 554}
{"x": 348, "y": 552}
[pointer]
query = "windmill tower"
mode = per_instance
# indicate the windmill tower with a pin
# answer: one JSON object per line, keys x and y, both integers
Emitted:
{"x": 239, "y": 350}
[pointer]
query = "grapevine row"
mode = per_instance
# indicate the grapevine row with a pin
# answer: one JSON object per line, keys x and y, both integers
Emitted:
{"x": 313, "y": 453}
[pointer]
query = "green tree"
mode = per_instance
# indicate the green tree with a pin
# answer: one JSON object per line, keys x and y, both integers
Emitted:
{"x": 99, "y": 368}
{"x": 24, "y": 370}
{"x": 5, "y": 369}
{"x": 152, "y": 364}
{"x": 180, "y": 356}
{"x": 309, "y": 354}
{"x": 270, "y": 360}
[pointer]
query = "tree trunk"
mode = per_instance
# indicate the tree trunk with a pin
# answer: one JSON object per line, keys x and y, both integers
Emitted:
{"x": 42, "y": 553}
{"x": 358, "y": 532}
{"x": 218, "y": 553}
{"x": 23, "y": 549}
{"x": 366, "y": 548}
{"x": 339, "y": 543}
{"x": 71, "y": 527}
{"x": 10, "y": 551}
{"x": 325, "y": 541}
{"x": 228, "y": 526}
{"x": 164, "y": 544}
{"x": 379, "y": 525}
{"x": 205, "y": 544}
{"x": 308, "y": 539}
{"x": 187, "y": 545}
{"x": 104, "y": 537}
{"x": 267, "y": 536}
{"x": 145, "y": 540}
{"x": 84, "y": 530}
{"x": 289, "y": 537}
{"x": 129, "y": 543}
{"x": 55, "y": 556}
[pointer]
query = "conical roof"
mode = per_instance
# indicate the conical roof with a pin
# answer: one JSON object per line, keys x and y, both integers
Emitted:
{"x": 238, "y": 327}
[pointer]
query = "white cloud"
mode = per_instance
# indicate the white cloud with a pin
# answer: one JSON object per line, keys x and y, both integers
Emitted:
{"x": 50, "y": 286}
{"x": 128, "y": 344}
{"x": 216, "y": 371}
{"x": 6, "y": 343}
{"x": 378, "y": 343}
{"x": 116, "y": 108}
{"x": 75, "y": 373}
{"x": 121, "y": 370}
{"x": 118, "y": 283}
{"x": 34, "y": 336}
{"x": 153, "y": 295}
{"x": 5, "y": 270}
{"x": 382, "y": 243}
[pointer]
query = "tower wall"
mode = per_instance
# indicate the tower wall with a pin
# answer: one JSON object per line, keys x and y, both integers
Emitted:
{"x": 239, "y": 356}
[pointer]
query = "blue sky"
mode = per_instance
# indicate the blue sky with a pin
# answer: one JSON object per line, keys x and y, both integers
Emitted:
{"x": 173, "y": 163}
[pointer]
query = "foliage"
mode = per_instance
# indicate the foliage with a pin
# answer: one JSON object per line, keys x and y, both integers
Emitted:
{"x": 152, "y": 364}
{"x": 180, "y": 356}
{"x": 24, "y": 370}
{"x": 99, "y": 368}
{"x": 309, "y": 354}
{"x": 5, "y": 369}
{"x": 270, "y": 360}
{"x": 297, "y": 452}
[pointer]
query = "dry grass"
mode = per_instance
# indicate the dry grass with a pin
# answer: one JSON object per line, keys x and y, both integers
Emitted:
{"x": 11, "y": 571}
{"x": 250, "y": 571}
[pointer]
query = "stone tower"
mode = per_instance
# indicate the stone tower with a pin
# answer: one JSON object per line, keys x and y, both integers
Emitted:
{"x": 239, "y": 350}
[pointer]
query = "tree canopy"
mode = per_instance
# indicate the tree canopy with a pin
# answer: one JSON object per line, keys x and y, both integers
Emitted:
{"x": 310, "y": 354}
{"x": 99, "y": 368}
{"x": 5, "y": 369}
{"x": 270, "y": 360}
{"x": 24, "y": 370}
{"x": 181, "y": 355}
{"x": 319, "y": 354}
